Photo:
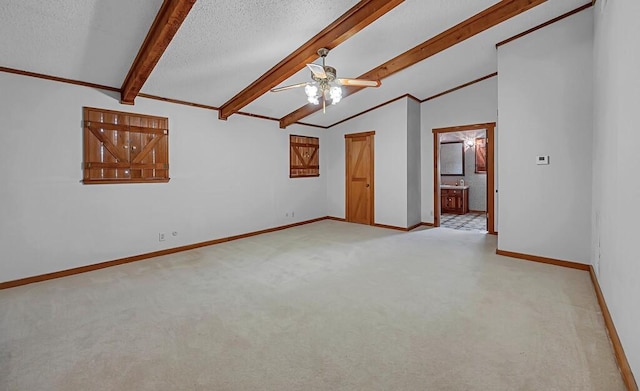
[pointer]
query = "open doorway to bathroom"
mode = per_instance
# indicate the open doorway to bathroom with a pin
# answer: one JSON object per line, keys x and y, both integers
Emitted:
{"x": 464, "y": 177}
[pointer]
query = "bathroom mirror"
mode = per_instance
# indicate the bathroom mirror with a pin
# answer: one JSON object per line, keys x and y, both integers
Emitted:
{"x": 452, "y": 158}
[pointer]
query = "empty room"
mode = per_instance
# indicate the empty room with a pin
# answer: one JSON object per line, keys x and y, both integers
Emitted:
{"x": 327, "y": 195}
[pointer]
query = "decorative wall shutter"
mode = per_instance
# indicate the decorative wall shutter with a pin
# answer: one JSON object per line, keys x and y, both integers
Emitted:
{"x": 123, "y": 147}
{"x": 304, "y": 160}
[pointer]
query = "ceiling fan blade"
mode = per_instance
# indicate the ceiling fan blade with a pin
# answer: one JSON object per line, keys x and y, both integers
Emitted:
{"x": 317, "y": 70}
{"x": 278, "y": 89}
{"x": 359, "y": 82}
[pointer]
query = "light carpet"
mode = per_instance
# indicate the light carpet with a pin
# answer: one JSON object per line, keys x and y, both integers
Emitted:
{"x": 325, "y": 306}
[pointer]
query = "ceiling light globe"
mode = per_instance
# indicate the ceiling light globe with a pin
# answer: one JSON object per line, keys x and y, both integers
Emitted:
{"x": 311, "y": 90}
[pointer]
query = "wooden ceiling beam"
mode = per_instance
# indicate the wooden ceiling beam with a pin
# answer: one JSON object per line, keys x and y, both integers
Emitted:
{"x": 358, "y": 17}
{"x": 165, "y": 26}
{"x": 476, "y": 24}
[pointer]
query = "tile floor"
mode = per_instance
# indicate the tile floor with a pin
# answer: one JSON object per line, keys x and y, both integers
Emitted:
{"x": 472, "y": 221}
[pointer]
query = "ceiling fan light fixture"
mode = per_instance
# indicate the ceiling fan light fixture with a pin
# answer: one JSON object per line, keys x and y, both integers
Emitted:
{"x": 312, "y": 93}
{"x": 325, "y": 85}
{"x": 335, "y": 93}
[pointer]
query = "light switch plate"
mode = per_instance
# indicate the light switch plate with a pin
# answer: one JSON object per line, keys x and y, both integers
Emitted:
{"x": 542, "y": 159}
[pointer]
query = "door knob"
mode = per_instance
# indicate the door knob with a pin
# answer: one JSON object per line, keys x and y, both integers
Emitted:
{"x": 367, "y": 185}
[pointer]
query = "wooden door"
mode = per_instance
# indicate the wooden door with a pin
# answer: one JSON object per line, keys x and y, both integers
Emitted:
{"x": 359, "y": 178}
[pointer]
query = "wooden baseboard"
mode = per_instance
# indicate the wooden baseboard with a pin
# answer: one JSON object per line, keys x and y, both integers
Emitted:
{"x": 427, "y": 224}
{"x": 140, "y": 257}
{"x": 335, "y": 218}
{"x": 621, "y": 358}
{"x": 414, "y": 226}
{"x": 390, "y": 227}
{"x": 407, "y": 229}
{"x": 552, "y": 261}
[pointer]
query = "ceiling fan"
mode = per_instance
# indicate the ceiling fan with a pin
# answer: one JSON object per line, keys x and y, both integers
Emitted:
{"x": 325, "y": 85}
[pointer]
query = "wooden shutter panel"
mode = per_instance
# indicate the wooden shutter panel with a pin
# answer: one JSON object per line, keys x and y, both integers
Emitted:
{"x": 304, "y": 159}
{"x": 123, "y": 147}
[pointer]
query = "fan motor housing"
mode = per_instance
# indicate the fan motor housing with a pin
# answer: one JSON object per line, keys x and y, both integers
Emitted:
{"x": 331, "y": 74}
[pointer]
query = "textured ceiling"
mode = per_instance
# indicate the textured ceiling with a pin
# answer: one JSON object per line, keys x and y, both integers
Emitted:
{"x": 225, "y": 45}
{"x": 88, "y": 40}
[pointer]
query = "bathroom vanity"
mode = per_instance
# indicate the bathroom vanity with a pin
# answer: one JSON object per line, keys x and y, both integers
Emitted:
{"x": 454, "y": 199}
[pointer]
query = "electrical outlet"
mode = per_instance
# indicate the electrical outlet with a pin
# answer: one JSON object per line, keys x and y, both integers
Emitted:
{"x": 286, "y": 214}
{"x": 161, "y": 237}
{"x": 293, "y": 213}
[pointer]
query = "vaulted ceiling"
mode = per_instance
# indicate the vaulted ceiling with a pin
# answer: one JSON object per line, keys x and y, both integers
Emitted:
{"x": 227, "y": 54}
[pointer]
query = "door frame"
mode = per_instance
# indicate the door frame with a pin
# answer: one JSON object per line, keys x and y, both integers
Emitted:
{"x": 371, "y": 173}
{"x": 490, "y": 128}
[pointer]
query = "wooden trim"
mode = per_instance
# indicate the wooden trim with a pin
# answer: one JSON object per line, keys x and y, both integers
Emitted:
{"x": 177, "y": 101}
{"x": 460, "y": 87}
{"x": 399, "y": 228}
{"x": 58, "y": 79}
{"x": 551, "y": 261}
{"x": 426, "y": 224}
{"x": 133, "y": 166}
{"x": 254, "y": 115}
{"x": 436, "y": 179}
{"x": 95, "y": 126}
{"x": 140, "y": 257}
{"x": 120, "y": 181}
{"x": 361, "y": 134}
{"x": 165, "y": 26}
{"x": 463, "y": 128}
{"x": 545, "y": 24}
{"x": 357, "y": 18}
{"x": 373, "y": 108}
{"x": 472, "y": 26}
{"x": 141, "y": 94}
{"x": 491, "y": 179}
{"x": 490, "y": 129}
{"x": 193, "y": 104}
{"x": 621, "y": 357}
{"x": 208, "y": 107}
{"x": 336, "y": 219}
{"x": 307, "y": 124}
{"x": 390, "y": 227}
{"x": 411, "y": 228}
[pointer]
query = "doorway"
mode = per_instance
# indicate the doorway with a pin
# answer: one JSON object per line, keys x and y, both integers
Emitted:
{"x": 489, "y": 145}
{"x": 359, "y": 177}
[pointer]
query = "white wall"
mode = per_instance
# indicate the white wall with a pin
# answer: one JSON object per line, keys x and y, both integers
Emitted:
{"x": 390, "y": 124}
{"x": 616, "y": 187}
{"x": 471, "y": 105}
{"x": 545, "y": 108}
{"x": 413, "y": 163}
{"x": 227, "y": 178}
